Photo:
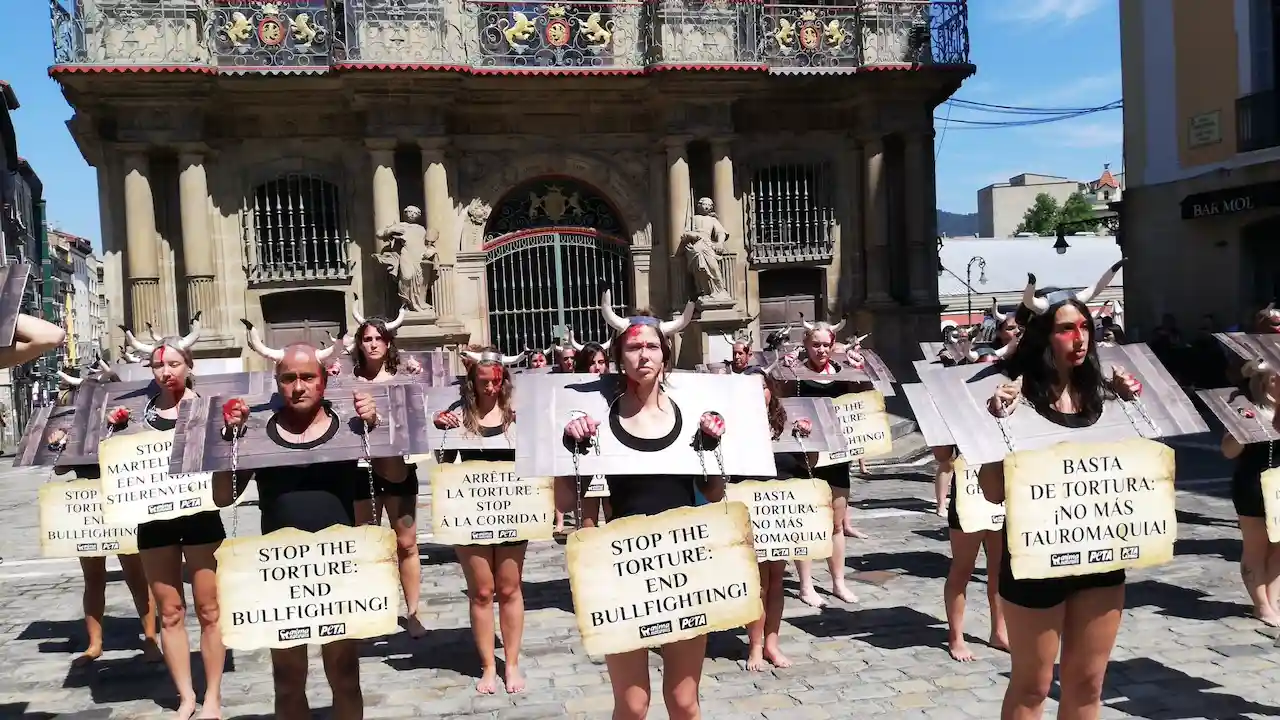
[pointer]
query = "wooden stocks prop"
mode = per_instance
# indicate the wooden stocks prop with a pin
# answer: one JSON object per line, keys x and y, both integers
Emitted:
{"x": 483, "y": 503}
{"x": 13, "y": 285}
{"x": 646, "y": 581}
{"x": 1086, "y": 508}
{"x": 290, "y": 587}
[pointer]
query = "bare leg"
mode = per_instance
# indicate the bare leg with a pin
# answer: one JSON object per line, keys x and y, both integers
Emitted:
{"x": 808, "y": 594}
{"x": 993, "y": 546}
{"x": 1253, "y": 568}
{"x": 289, "y": 674}
{"x": 94, "y": 601}
{"x": 755, "y": 630}
{"x": 964, "y": 554}
{"x": 681, "y": 676}
{"x": 942, "y": 478}
{"x": 559, "y": 529}
{"x": 136, "y": 580}
{"x": 1034, "y": 638}
{"x": 508, "y": 579}
{"x": 835, "y": 563}
{"x": 771, "y": 582}
{"x": 1273, "y": 575}
{"x": 203, "y": 568}
{"x": 1088, "y": 635}
{"x": 845, "y": 520}
{"x": 629, "y": 676}
{"x": 590, "y": 512}
{"x": 164, "y": 571}
{"x": 342, "y": 670}
{"x": 478, "y": 566}
{"x": 402, "y": 513}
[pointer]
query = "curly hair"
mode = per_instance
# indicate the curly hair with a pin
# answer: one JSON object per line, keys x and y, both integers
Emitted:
{"x": 1034, "y": 363}
{"x": 470, "y": 404}
{"x": 392, "y": 360}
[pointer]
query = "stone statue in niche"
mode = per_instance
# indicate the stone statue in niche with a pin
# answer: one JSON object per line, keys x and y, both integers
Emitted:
{"x": 702, "y": 243}
{"x": 409, "y": 253}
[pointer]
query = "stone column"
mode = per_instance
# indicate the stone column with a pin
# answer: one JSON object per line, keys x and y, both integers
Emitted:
{"x": 724, "y": 194}
{"x": 440, "y": 216}
{"x": 852, "y": 234}
{"x": 679, "y": 196}
{"x": 921, "y": 220}
{"x": 199, "y": 259}
{"x": 876, "y": 222}
{"x": 386, "y": 195}
{"x": 143, "y": 241}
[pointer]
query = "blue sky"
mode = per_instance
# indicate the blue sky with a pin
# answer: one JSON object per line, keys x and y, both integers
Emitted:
{"x": 1030, "y": 53}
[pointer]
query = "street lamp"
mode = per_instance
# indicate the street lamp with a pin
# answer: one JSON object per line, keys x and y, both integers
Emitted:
{"x": 981, "y": 262}
{"x": 1061, "y": 245}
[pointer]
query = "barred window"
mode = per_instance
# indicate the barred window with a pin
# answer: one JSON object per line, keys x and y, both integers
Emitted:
{"x": 296, "y": 231}
{"x": 790, "y": 211}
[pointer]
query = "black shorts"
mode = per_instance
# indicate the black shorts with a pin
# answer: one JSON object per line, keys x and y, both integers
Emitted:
{"x": 203, "y": 528}
{"x": 408, "y": 488}
{"x": 837, "y": 476}
{"x": 953, "y": 517}
{"x": 1045, "y": 594}
{"x": 1246, "y": 495}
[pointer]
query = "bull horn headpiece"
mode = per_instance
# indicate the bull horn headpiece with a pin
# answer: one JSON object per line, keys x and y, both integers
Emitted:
{"x": 741, "y": 336}
{"x": 257, "y": 345}
{"x": 181, "y": 343}
{"x": 999, "y": 317}
{"x": 1008, "y": 349}
{"x": 128, "y": 357}
{"x": 348, "y": 343}
{"x": 69, "y": 380}
{"x": 155, "y": 336}
{"x": 577, "y": 346}
{"x": 391, "y": 325}
{"x": 492, "y": 356}
{"x": 1041, "y": 305}
{"x": 1269, "y": 318}
{"x": 810, "y": 327}
{"x": 666, "y": 327}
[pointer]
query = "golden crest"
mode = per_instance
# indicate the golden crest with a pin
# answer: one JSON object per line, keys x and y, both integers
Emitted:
{"x": 558, "y": 32}
{"x": 270, "y": 31}
{"x": 810, "y": 36}
{"x": 556, "y": 11}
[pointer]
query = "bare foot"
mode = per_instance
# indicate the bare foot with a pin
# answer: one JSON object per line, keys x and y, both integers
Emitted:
{"x": 211, "y": 709}
{"x": 488, "y": 682}
{"x": 186, "y": 708}
{"x": 151, "y": 651}
{"x": 960, "y": 651}
{"x": 755, "y": 659}
{"x": 941, "y": 510}
{"x": 844, "y": 594}
{"x": 1268, "y": 618}
{"x": 93, "y": 653}
{"x": 999, "y": 642}
{"x": 514, "y": 680}
{"x": 812, "y": 598}
{"x": 775, "y": 656}
{"x": 853, "y": 532}
{"x": 414, "y": 626}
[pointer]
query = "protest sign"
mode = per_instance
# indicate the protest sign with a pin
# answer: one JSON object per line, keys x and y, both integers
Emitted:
{"x": 137, "y": 486}
{"x": 790, "y": 519}
{"x": 483, "y": 503}
{"x": 865, "y": 423}
{"x": 1271, "y": 503}
{"x": 975, "y": 511}
{"x": 73, "y": 523}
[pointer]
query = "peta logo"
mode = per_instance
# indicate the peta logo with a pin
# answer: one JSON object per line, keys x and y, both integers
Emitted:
{"x": 332, "y": 630}
{"x": 1130, "y": 552}
{"x": 160, "y": 508}
{"x": 781, "y": 552}
{"x": 506, "y": 534}
{"x": 1064, "y": 559}
{"x": 189, "y": 503}
{"x": 1101, "y": 556}
{"x": 290, "y": 634}
{"x": 656, "y": 629}
{"x": 693, "y": 621}
{"x": 801, "y": 552}
{"x": 481, "y": 534}
{"x": 110, "y": 546}
{"x": 997, "y": 519}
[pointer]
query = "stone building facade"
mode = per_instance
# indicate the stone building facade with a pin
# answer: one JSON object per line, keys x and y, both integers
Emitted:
{"x": 249, "y": 155}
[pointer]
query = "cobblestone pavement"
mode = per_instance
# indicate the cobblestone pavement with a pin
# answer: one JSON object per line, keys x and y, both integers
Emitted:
{"x": 1186, "y": 648}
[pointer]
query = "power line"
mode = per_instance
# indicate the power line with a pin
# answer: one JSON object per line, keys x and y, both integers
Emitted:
{"x": 993, "y": 125}
{"x": 1019, "y": 110}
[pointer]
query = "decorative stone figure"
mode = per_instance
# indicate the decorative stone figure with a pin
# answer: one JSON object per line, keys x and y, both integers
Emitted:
{"x": 703, "y": 242}
{"x": 410, "y": 255}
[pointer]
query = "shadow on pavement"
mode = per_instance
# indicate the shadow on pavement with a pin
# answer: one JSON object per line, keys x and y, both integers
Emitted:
{"x": 1180, "y": 602}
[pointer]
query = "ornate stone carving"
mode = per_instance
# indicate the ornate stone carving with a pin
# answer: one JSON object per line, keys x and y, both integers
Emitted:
{"x": 478, "y": 212}
{"x": 410, "y": 255}
{"x": 702, "y": 243}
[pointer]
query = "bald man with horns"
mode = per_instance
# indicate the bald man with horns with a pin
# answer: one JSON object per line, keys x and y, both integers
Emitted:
{"x": 309, "y": 498}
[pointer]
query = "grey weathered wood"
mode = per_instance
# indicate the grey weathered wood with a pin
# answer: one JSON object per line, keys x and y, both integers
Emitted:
{"x": 961, "y": 393}
{"x": 135, "y": 395}
{"x": 132, "y": 372}
{"x": 1251, "y": 346}
{"x": 1230, "y": 406}
{"x": 931, "y": 349}
{"x": 13, "y": 283}
{"x": 546, "y": 405}
{"x": 928, "y": 417}
{"x": 873, "y": 371}
{"x": 826, "y": 435}
{"x": 450, "y": 399}
{"x": 202, "y": 448}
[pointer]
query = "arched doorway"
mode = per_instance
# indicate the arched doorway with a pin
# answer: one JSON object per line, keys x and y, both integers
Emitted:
{"x": 552, "y": 245}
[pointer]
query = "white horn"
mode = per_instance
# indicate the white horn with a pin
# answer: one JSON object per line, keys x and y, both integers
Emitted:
{"x": 611, "y": 317}
{"x": 675, "y": 325}
{"x": 1008, "y": 348}
{"x": 838, "y": 327}
{"x": 324, "y": 354}
{"x": 605, "y": 345}
{"x": 137, "y": 344}
{"x": 155, "y": 337}
{"x": 72, "y": 381}
{"x": 256, "y": 344}
{"x": 394, "y": 325}
{"x": 808, "y": 326}
{"x": 1037, "y": 305}
{"x": 1104, "y": 281}
{"x": 355, "y": 314}
{"x": 577, "y": 346}
{"x": 474, "y": 357}
{"x": 190, "y": 339}
{"x": 513, "y": 359}
{"x": 103, "y": 366}
{"x": 858, "y": 342}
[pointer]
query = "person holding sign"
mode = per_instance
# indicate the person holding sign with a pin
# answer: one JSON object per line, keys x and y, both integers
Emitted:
{"x": 32, "y": 337}
{"x": 375, "y": 358}
{"x": 646, "y": 420}
{"x": 309, "y": 498}
{"x": 492, "y": 571}
{"x": 164, "y": 544}
{"x": 819, "y": 339}
{"x": 94, "y": 569}
{"x": 593, "y": 359}
{"x": 1259, "y": 557}
{"x": 1057, "y": 373}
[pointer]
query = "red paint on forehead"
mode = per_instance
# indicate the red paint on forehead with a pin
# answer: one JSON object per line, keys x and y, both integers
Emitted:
{"x": 488, "y": 373}
{"x": 635, "y": 330}
{"x": 160, "y": 354}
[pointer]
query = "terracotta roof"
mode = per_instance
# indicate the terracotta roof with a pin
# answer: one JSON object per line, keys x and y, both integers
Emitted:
{"x": 1107, "y": 180}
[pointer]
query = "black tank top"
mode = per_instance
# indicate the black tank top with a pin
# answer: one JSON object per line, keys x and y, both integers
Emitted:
{"x": 649, "y": 494}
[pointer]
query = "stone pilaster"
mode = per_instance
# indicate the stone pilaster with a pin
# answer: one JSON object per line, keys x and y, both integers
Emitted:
{"x": 875, "y": 210}
{"x": 199, "y": 259}
{"x": 143, "y": 253}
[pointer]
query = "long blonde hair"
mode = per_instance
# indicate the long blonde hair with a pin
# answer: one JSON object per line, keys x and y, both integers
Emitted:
{"x": 1257, "y": 374}
{"x": 470, "y": 405}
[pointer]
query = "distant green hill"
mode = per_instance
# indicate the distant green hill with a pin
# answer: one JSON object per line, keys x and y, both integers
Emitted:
{"x": 957, "y": 224}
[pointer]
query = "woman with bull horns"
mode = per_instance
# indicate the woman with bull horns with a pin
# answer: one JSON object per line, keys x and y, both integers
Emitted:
{"x": 94, "y": 569}
{"x": 646, "y": 419}
{"x": 493, "y": 572}
{"x": 1057, "y": 373}
{"x": 164, "y": 544}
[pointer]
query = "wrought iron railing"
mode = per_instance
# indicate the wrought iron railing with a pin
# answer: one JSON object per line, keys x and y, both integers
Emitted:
{"x": 789, "y": 214}
{"x": 1258, "y": 121}
{"x": 491, "y": 35}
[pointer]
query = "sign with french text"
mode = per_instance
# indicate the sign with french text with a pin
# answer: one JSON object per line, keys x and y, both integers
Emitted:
{"x": 291, "y": 588}
{"x": 1086, "y": 508}
{"x": 484, "y": 503}
{"x": 137, "y": 486}
{"x": 646, "y": 581}
{"x": 865, "y": 423}
{"x": 73, "y": 523}
{"x": 975, "y": 511}
{"x": 790, "y": 519}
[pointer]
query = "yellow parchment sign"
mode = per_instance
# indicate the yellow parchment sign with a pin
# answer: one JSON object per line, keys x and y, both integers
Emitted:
{"x": 975, "y": 511}
{"x": 790, "y": 519}
{"x": 1271, "y": 502}
{"x": 646, "y": 581}
{"x": 1085, "y": 508}
{"x": 72, "y": 523}
{"x": 137, "y": 486}
{"x": 483, "y": 503}
{"x": 866, "y": 427}
{"x": 292, "y": 588}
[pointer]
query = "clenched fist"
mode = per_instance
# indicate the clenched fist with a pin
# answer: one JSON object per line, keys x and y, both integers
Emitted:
{"x": 1005, "y": 398}
{"x": 366, "y": 409}
{"x": 802, "y": 427}
{"x": 56, "y": 439}
{"x": 1124, "y": 384}
{"x": 118, "y": 416}
{"x": 235, "y": 414}
{"x": 412, "y": 366}
{"x": 582, "y": 428}
{"x": 711, "y": 424}
{"x": 446, "y": 420}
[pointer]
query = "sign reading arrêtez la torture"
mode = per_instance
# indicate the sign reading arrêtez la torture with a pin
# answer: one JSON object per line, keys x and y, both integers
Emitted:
{"x": 975, "y": 511}
{"x": 137, "y": 486}
{"x": 647, "y": 581}
{"x": 865, "y": 425}
{"x": 482, "y": 503}
{"x": 292, "y": 588}
{"x": 789, "y": 518}
{"x": 72, "y": 523}
{"x": 1084, "y": 508}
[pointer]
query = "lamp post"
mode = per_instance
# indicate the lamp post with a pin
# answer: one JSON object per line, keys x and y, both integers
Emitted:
{"x": 981, "y": 262}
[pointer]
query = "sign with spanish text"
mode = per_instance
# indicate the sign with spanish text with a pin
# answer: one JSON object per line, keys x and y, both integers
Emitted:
{"x": 73, "y": 524}
{"x": 975, "y": 511}
{"x": 1271, "y": 502}
{"x": 137, "y": 486}
{"x": 790, "y": 519}
{"x": 1086, "y": 508}
{"x": 865, "y": 424}
{"x": 291, "y": 588}
{"x": 484, "y": 503}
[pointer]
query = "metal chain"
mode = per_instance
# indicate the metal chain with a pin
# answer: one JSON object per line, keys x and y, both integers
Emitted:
{"x": 808, "y": 467}
{"x": 577, "y": 489}
{"x": 1003, "y": 423}
{"x": 235, "y": 482}
{"x": 376, "y": 519}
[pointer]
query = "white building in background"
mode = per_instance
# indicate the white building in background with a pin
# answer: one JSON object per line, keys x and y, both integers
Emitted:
{"x": 1002, "y": 206}
{"x": 97, "y": 313}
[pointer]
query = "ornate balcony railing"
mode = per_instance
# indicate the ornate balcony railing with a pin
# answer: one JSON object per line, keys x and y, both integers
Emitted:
{"x": 495, "y": 35}
{"x": 1258, "y": 121}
